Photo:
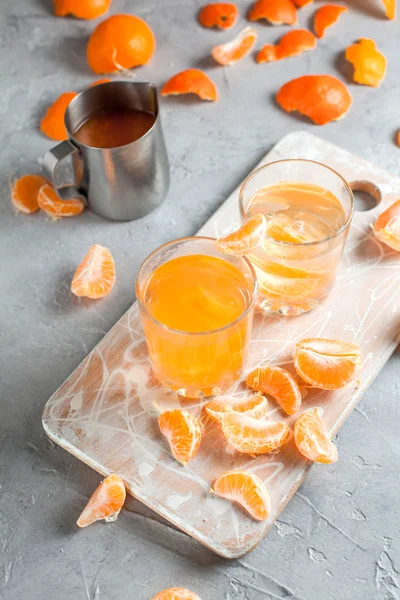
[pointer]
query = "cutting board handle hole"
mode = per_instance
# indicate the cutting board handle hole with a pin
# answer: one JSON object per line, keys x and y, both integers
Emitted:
{"x": 366, "y": 195}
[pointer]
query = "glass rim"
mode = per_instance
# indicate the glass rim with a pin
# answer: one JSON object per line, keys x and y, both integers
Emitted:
{"x": 299, "y": 160}
{"x": 140, "y": 300}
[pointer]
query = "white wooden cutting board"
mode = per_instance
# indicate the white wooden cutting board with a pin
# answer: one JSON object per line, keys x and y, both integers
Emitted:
{"x": 104, "y": 413}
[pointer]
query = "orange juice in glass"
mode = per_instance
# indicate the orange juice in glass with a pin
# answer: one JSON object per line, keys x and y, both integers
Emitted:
{"x": 196, "y": 307}
{"x": 308, "y": 208}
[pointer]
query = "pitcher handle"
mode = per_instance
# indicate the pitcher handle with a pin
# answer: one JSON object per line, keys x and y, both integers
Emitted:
{"x": 50, "y": 163}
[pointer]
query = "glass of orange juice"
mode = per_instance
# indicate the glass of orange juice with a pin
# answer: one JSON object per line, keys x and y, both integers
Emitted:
{"x": 308, "y": 207}
{"x": 196, "y": 306}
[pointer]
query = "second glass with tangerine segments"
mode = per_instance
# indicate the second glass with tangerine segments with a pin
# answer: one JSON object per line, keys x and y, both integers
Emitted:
{"x": 308, "y": 208}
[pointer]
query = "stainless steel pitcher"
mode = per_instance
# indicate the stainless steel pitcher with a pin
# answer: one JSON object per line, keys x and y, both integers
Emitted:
{"x": 122, "y": 183}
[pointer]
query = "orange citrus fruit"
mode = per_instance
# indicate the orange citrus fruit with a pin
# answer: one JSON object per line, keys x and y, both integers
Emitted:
{"x": 95, "y": 276}
{"x": 279, "y": 384}
{"x": 54, "y": 206}
{"x": 256, "y": 406}
{"x": 387, "y": 226}
{"x": 120, "y": 42}
{"x": 236, "y": 49}
{"x": 312, "y": 438}
{"x": 279, "y": 280}
{"x": 291, "y": 44}
{"x": 222, "y": 15}
{"x": 322, "y": 98}
{"x": 100, "y": 81}
{"x": 277, "y": 12}
{"x": 390, "y": 8}
{"x": 246, "y": 239}
{"x": 325, "y": 17}
{"x": 183, "y": 432}
{"x": 176, "y": 594}
{"x": 326, "y": 364}
{"x": 82, "y": 9}
{"x": 191, "y": 81}
{"x": 105, "y": 503}
{"x": 369, "y": 64}
{"x": 52, "y": 123}
{"x": 301, "y": 3}
{"x": 247, "y": 490}
{"x": 24, "y": 193}
{"x": 252, "y": 436}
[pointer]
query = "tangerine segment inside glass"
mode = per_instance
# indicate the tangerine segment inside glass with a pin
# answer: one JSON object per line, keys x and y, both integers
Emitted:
{"x": 197, "y": 307}
{"x": 308, "y": 208}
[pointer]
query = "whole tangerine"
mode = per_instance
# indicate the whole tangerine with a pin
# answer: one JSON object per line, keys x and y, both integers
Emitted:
{"x": 120, "y": 42}
{"x": 81, "y": 9}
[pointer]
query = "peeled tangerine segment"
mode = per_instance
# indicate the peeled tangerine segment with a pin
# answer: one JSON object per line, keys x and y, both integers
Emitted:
{"x": 325, "y": 17}
{"x": 279, "y": 384}
{"x": 291, "y": 44}
{"x": 277, "y": 12}
{"x": 191, "y": 81}
{"x": 312, "y": 438}
{"x": 105, "y": 503}
{"x": 24, "y": 193}
{"x": 369, "y": 64}
{"x": 183, "y": 432}
{"x": 50, "y": 202}
{"x": 176, "y": 593}
{"x": 236, "y": 49}
{"x": 95, "y": 276}
{"x": 322, "y": 98}
{"x": 390, "y": 8}
{"x": 252, "y": 436}
{"x": 387, "y": 226}
{"x": 326, "y": 364}
{"x": 247, "y": 490}
{"x": 256, "y": 406}
{"x": 221, "y": 14}
{"x": 246, "y": 239}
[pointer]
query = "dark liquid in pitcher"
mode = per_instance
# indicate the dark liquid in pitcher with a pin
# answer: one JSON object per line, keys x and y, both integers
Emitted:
{"x": 113, "y": 128}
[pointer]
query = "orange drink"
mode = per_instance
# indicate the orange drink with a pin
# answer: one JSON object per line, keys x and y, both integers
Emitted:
{"x": 308, "y": 208}
{"x": 197, "y": 307}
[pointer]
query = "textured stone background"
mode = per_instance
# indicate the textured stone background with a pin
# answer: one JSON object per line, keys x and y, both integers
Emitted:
{"x": 340, "y": 536}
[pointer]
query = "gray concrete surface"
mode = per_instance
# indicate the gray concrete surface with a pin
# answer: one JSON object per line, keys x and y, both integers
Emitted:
{"x": 340, "y": 536}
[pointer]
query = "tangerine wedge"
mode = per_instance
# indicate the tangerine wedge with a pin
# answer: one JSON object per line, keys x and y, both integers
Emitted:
{"x": 321, "y": 98}
{"x": 252, "y": 436}
{"x": 82, "y": 9}
{"x": 279, "y": 384}
{"x": 54, "y": 206}
{"x": 222, "y": 15}
{"x": 24, "y": 193}
{"x": 369, "y": 64}
{"x": 191, "y": 81}
{"x": 176, "y": 593}
{"x": 183, "y": 433}
{"x": 390, "y": 8}
{"x": 326, "y": 364}
{"x": 291, "y": 44}
{"x": 247, "y": 490}
{"x": 276, "y": 12}
{"x": 246, "y": 239}
{"x": 95, "y": 276}
{"x": 105, "y": 503}
{"x": 256, "y": 406}
{"x": 387, "y": 226}
{"x": 236, "y": 49}
{"x": 120, "y": 42}
{"x": 312, "y": 438}
{"x": 52, "y": 123}
{"x": 325, "y": 17}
